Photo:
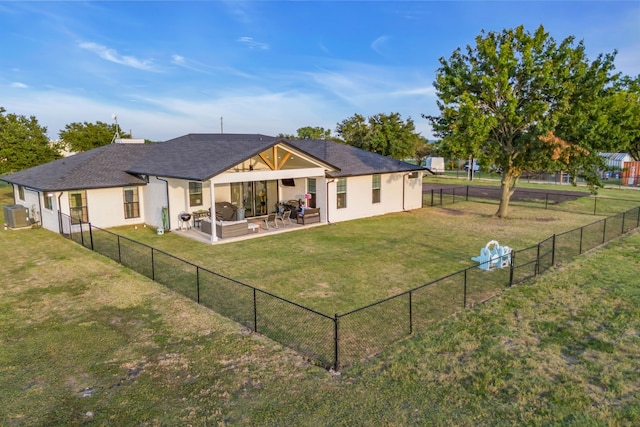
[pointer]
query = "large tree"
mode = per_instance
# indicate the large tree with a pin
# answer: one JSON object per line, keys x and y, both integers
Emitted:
{"x": 23, "y": 143}
{"x": 385, "y": 134}
{"x": 87, "y": 136}
{"x": 309, "y": 132}
{"x": 624, "y": 116}
{"x": 521, "y": 101}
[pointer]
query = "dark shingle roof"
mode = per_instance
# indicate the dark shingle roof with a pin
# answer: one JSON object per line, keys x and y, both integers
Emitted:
{"x": 102, "y": 167}
{"x": 199, "y": 157}
{"x": 196, "y": 157}
{"x": 352, "y": 161}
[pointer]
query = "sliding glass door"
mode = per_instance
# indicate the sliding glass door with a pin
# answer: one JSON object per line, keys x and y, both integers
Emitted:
{"x": 257, "y": 197}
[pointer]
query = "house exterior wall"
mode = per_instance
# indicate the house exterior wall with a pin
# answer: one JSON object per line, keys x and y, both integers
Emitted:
{"x": 398, "y": 192}
{"x": 105, "y": 207}
{"x": 178, "y": 190}
{"x": 30, "y": 201}
{"x": 155, "y": 198}
{"x": 49, "y": 217}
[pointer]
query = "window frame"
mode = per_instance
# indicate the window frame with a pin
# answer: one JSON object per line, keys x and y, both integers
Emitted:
{"x": 341, "y": 193}
{"x": 48, "y": 201}
{"x": 82, "y": 209}
{"x": 376, "y": 185}
{"x": 21, "y": 192}
{"x": 311, "y": 189}
{"x": 195, "y": 191}
{"x": 131, "y": 208}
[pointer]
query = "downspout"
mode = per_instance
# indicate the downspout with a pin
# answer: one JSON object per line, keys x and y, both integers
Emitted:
{"x": 40, "y": 208}
{"x": 168, "y": 208}
{"x": 60, "y": 212}
{"x": 327, "y": 195}
{"x": 212, "y": 198}
{"x": 404, "y": 181}
{"x": 13, "y": 193}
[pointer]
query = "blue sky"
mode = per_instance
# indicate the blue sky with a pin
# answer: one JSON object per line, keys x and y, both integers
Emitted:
{"x": 170, "y": 68}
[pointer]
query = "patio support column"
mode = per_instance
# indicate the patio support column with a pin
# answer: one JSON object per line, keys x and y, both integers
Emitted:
{"x": 212, "y": 199}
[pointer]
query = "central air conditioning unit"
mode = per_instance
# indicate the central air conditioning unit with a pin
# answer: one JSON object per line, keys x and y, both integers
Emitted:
{"x": 16, "y": 216}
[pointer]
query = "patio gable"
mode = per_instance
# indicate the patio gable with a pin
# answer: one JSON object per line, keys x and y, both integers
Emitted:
{"x": 279, "y": 157}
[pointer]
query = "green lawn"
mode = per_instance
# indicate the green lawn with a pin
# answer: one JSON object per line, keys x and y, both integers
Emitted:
{"x": 85, "y": 341}
{"x": 335, "y": 269}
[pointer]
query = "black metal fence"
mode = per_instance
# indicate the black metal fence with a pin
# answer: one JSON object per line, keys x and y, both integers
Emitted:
{"x": 343, "y": 339}
{"x": 568, "y": 201}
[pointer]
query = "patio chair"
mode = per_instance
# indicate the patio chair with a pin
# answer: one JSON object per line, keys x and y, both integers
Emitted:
{"x": 271, "y": 219}
{"x": 285, "y": 218}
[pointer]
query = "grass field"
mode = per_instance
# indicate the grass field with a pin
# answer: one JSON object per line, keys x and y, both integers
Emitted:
{"x": 87, "y": 342}
{"x": 334, "y": 269}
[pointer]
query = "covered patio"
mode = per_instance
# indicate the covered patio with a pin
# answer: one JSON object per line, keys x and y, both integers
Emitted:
{"x": 259, "y": 230}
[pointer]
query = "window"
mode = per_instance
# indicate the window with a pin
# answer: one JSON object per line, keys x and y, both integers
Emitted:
{"x": 131, "y": 203}
{"x": 341, "y": 193}
{"x": 414, "y": 175}
{"x": 48, "y": 201}
{"x": 375, "y": 189}
{"x": 195, "y": 194}
{"x": 78, "y": 207}
{"x": 20, "y": 192}
{"x": 311, "y": 189}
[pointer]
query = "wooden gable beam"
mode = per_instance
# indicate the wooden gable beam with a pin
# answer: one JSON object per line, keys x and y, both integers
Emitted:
{"x": 284, "y": 160}
{"x": 275, "y": 165}
{"x": 267, "y": 161}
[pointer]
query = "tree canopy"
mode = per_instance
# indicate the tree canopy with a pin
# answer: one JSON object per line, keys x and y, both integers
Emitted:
{"x": 309, "y": 132}
{"x": 23, "y": 143}
{"x": 388, "y": 135}
{"x": 87, "y": 136}
{"x": 521, "y": 102}
{"x": 624, "y": 116}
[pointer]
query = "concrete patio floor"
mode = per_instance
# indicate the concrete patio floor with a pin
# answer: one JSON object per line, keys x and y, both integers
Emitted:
{"x": 195, "y": 233}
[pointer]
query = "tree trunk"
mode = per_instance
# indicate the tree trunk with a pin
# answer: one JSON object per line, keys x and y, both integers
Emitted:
{"x": 507, "y": 187}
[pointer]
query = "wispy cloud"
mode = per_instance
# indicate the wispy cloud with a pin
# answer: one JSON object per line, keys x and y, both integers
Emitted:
{"x": 417, "y": 91}
{"x": 112, "y": 55}
{"x": 252, "y": 44}
{"x": 182, "y": 62}
{"x": 379, "y": 44}
{"x": 19, "y": 85}
{"x": 197, "y": 66}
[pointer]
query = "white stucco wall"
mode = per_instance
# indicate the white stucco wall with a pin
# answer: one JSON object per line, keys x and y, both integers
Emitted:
{"x": 50, "y": 219}
{"x": 155, "y": 198}
{"x": 398, "y": 192}
{"x": 105, "y": 207}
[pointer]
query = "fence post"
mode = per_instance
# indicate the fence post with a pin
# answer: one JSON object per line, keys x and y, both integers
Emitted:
{"x": 512, "y": 267}
{"x": 441, "y": 197}
{"x": 153, "y": 266}
{"x": 553, "y": 250}
{"x": 255, "y": 311}
{"x": 91, "y": 234}
{"x": 623, "y": 217}
{"x": 81, "y": 234}
{"x": 604, "y": 230}
{"x": 336, "y": 365}
{"x": 581, "y": 232}
{"x": 198, "y": 282}
{"x": 464, "y": 296}
{"x": 537, "y": 270}
{"x": 432, "y": 197}
{"x": 467, "y": 199}
{"x": 638, "y": 218}
{"x": 453, "y": 196}
{"x": 410, "y": 312}
{"x": 119, "y": 252}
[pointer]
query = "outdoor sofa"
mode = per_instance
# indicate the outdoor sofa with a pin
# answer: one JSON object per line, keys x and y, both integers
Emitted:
{"x": 308, "y": 216}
